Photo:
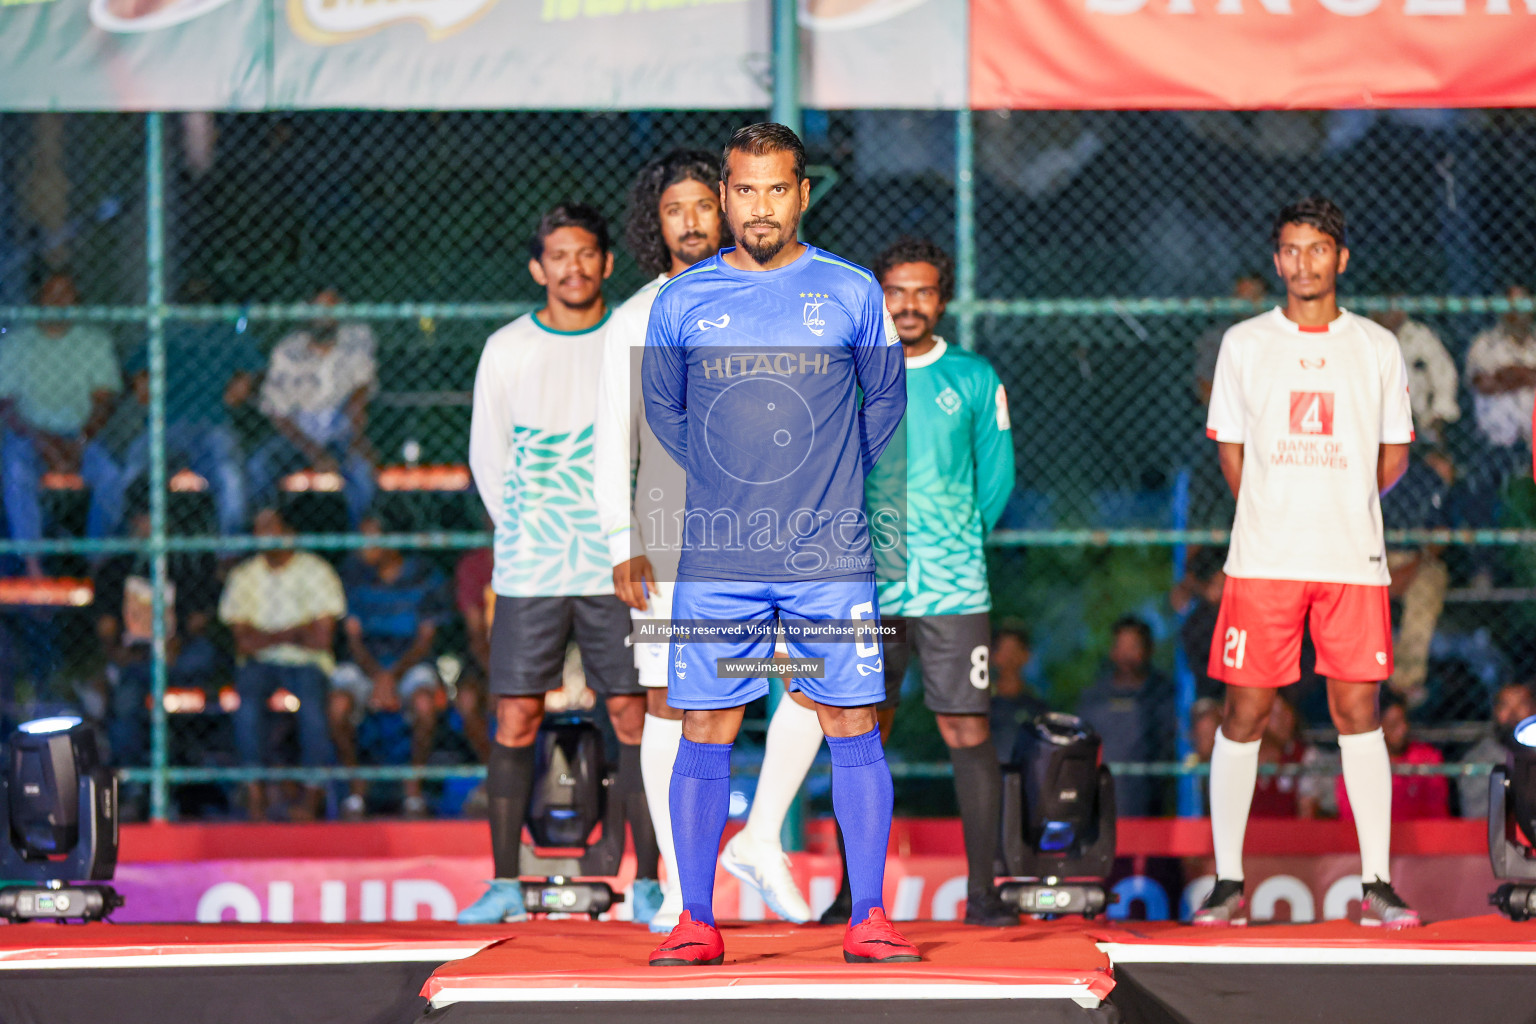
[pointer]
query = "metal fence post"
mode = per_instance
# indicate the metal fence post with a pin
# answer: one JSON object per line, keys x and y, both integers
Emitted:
{"x": 154, "y": 254}
{"x": 965, "y": 227}
{"x": 786, "y": 65}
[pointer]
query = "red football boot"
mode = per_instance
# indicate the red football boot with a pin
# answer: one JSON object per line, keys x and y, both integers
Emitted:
{"x": 691, "y": 944}
{"x": 876, "y": 941}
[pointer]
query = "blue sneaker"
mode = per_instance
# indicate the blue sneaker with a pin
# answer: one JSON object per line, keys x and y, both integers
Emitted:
{"x": 645, "y": 899}
{"x": 502, "y": 902}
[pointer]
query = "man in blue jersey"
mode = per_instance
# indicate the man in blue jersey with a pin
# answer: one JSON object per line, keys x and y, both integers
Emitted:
{"x": 674, "y": 221}
{"x": 954, "y": 462}
{"x": 754, "y": 365}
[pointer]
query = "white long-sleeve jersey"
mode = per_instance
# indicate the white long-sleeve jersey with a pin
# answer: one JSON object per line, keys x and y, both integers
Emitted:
{"x": 530, "y": 449}
{"x": 640, "y": 488}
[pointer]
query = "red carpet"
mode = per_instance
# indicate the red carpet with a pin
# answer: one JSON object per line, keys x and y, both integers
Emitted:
{"x": 562, "y": 957}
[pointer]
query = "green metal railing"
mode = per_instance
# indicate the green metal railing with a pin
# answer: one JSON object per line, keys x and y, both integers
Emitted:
{"x": 155, "y": 313}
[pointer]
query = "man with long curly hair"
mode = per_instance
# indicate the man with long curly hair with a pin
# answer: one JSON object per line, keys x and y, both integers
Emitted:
{"x": 674, "y": 222}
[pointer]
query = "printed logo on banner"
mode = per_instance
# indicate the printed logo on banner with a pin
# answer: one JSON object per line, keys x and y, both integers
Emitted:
{"x": 329, "y": 22}
{"x": 1312, "y": 413}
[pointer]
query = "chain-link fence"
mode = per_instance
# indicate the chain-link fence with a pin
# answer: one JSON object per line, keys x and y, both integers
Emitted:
{"x": 1101, "y": 254}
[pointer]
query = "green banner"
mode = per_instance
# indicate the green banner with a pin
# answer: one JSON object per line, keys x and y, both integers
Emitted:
{"x": 469, "y": 54}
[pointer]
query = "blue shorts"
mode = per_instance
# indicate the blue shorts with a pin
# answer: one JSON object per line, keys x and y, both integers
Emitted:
{"x": 854, "y": 675}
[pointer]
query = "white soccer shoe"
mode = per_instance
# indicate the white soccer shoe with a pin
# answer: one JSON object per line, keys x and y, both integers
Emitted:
{"x": 766, "y": 869}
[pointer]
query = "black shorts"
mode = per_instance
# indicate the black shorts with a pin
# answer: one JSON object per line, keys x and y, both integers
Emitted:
{"x": 529, "y": 636}
{"x": 952, "y": 652}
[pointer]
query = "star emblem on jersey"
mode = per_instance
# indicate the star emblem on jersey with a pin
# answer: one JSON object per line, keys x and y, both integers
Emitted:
{"x": 948, "y": 401}
{"x": 722, "y": 323}
{"x": 812, "y": 314}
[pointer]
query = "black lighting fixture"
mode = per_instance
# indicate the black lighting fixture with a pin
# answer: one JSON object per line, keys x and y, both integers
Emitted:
{"x": 570, "y": 801}
{"x": 1512, "y": 826}
{"x": 61, "y": 824}
{"x": 1058, "y": 820}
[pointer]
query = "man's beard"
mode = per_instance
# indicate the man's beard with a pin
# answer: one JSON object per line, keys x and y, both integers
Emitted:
{"x": 923, "y": 332}
{"x": 688, "y": 257}
{"x": 766, "y": 251}
{"x": 587, "y": 303}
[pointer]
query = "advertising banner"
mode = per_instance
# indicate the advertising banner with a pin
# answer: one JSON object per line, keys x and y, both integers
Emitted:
{"x": 1281, "y": 888}
{"x": 535, "y": 54}
{"x": 134, "y": 54}
{"x": 1251, "y": 54}
{"x": 470, "y": 54}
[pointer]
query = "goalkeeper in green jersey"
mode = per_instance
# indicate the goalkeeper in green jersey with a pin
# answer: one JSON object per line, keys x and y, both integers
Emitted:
{"x": 952, "y": 468}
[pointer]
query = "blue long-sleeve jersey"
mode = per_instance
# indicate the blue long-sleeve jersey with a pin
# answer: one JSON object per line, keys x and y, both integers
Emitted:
{"x": 776, "y": 391}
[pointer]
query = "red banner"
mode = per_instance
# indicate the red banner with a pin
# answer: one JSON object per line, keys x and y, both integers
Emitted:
{"x": 410, "y": 871}
{"x": 1252, "y": 54}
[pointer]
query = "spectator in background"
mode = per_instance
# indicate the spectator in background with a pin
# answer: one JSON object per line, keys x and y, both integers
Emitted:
{"x": 395, "y": 603}
{"x": 316, "y": 395}
{"x": 1210, "y": 501}
{"x": 1204, "y": 720}
{"x": 476, "y": 602}
{"x": 58, "y": 382}
{"x": 125, "y": 629}
{"x": 282, "y": 607}
{"x": 1512, "y": 705}
{"x": 1283, "y": 796}
{"x": 1197, "y": 599}
{"x": 210, "y": 373}
{"x": 1501, "y": 366}
{"x": 1130, "y": 706}
{"x": 1252, "y": 288}
{"x": 1414, "y": 797}
{"x": 1431, "y": 374}
{"x": 1015, "y": 703}
{"x": 1420, "y": 578}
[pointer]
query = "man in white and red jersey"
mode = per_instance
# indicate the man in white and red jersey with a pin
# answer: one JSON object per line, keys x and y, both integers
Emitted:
{"x": 1311, "y": 416}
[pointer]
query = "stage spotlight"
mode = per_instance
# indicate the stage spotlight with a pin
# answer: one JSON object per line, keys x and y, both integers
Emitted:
{"x": 1511, "y": 816}
{"x": 570, "y": 801}
{"x": 1058, "y": 820}
{"x": 61, "y": 823}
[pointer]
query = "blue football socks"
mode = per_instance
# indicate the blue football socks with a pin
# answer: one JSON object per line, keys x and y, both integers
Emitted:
{"x": 701, "y": 799}
{"x": 862, "y": 798}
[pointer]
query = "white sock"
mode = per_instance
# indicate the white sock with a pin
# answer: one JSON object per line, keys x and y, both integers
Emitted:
{"x": 1368, "y": 783}
{"x": 658, "y": 749}
{"x": 1234, "y": 770}
{"x": 794, "y": 736}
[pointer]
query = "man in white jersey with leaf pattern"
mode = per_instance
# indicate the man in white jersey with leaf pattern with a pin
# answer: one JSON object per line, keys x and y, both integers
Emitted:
{"x": 674, "y": 222}
{"x": 1312, "y": 420}
{"x": 531, "y": 452}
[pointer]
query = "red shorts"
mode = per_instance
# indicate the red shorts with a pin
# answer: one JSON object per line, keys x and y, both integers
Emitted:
{"x": 1258, "y": 632}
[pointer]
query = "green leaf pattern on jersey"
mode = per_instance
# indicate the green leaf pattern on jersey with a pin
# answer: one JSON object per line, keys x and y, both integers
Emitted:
{"x": 548, "y": 541}
{"x": 946, "y": 568}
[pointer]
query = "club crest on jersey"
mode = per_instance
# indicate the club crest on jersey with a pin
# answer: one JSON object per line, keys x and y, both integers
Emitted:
{"x": 948, "y": 401}
{"x": 811, "y": 316}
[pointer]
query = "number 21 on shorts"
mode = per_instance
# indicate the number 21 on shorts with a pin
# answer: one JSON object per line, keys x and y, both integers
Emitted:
{"x": 1236, "y": 647}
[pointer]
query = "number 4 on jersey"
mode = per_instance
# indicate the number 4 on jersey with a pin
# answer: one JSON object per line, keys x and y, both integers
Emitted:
{"x": 1312, "y": 413}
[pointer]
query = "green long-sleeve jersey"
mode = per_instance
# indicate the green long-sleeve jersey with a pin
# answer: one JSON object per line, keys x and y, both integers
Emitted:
{"x": 956, "y": 453}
